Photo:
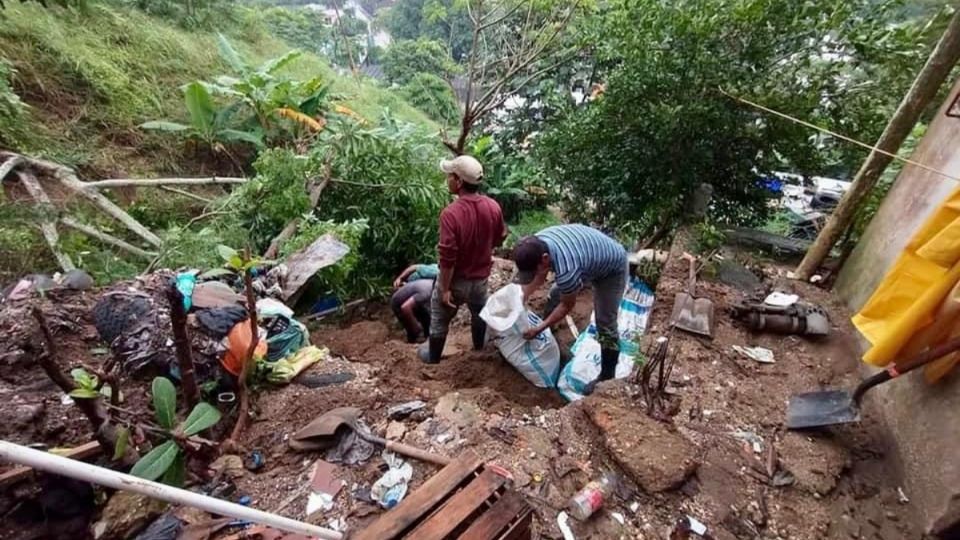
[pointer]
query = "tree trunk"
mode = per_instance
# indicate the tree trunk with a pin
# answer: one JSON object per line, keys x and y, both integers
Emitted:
{"x": 106, "y": 238}
{"x": 159, "y": 182}
{"x": 925, "y": 87}
{"x": 243, "y": 411}
{"x": 181, "y": 342}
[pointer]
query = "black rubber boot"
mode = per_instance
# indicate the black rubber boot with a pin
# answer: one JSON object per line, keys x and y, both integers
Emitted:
{"x": 608, "y": 364}
{"x": 431, "y": 351}
{"x": 478, "y": 331}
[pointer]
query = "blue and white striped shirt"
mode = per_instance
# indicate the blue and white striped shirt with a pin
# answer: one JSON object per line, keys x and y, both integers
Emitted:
{"x": 580, "y": 254}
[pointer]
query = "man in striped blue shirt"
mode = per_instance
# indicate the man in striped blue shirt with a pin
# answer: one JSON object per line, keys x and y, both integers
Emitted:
{"x": 577, "y": 255}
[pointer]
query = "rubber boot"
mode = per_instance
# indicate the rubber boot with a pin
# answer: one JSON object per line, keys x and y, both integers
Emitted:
{"x": 608, "y": 369}
{"x": 478, "y": 331}
{"x": 431, "y": 351}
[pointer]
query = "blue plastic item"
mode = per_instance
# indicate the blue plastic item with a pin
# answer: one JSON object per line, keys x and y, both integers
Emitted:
{"x": 186, "y": 281}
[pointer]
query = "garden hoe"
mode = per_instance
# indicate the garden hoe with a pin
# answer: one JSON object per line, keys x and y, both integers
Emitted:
{"x": 689, "y": 312}
{"x": 324, "y": 432}
{"x": 830, "y": 407}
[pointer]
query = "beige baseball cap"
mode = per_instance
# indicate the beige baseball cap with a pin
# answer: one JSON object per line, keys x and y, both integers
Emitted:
{"x": 466, "y": 167}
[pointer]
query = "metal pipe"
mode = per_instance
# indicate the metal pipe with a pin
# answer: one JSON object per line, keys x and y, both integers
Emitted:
{"x": 117, "y": 480}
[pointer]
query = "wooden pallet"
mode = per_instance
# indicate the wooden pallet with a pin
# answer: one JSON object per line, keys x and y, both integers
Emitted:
{"x": 466, "y": 500}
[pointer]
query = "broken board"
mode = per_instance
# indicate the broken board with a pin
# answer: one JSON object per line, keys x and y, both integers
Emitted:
{"x": 304, "y": 264}
{"x": 466, "y": 500}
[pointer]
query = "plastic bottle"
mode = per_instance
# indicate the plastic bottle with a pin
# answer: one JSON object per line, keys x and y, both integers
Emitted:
{"x": 589, "y": 499}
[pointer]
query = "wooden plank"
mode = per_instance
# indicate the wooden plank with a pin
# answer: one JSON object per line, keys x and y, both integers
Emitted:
{"x": 459, "y": 507}
{"x": 496, "y": 519}
{"x": 521, "y": 529}
{"x": 83, "y": 451}
{"x": 423, "y": 500}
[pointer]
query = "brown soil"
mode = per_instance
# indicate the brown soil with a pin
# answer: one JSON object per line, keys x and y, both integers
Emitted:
{"x": 843, "y": 487}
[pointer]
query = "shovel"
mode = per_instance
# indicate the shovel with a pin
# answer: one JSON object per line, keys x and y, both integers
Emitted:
{"x": 330, "y": 426}
{"x": 831, "y": 407}
{"x": 690, "y": 313}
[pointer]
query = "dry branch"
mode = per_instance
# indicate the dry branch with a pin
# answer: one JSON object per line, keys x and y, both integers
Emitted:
{"x": 106, "y": 238}
{"x": 243, "y": 411}
{"x": 181, "y": 343}
{"x": 159, "y": 182}
{"x": 48, "y": 225}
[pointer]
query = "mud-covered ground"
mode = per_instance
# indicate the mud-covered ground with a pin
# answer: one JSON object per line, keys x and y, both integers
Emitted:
{"x": 835, "y": 484}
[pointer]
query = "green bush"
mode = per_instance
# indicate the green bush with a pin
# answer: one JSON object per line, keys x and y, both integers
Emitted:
{"x": 432, "y": 95}
{"x": 404, "y": 59}
{"x": 530, "y": 223}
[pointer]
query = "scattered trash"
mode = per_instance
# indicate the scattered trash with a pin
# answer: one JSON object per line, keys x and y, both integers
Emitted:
{"x": 634, "y": 506}
{"x": 760, "y": 354}
{"x": 254, "y": 461}
{"x": 395, "y": 431}
{"x": 66, "y": 399}
{"x": 285, "y": 370}
{"x": 648, "y": 255}
{"x": 696, "y": 526}
{"x": 319, "y": 501}
{"x": 390, "y": 489}
{"x": 285, "y": 335}
{"x": 562, "y": 522}
{"x": 165, "y": 527}
{"x": 217, "y": 322}
{"x": 619, "y": 517}
{"x": 591, "y": 497}
{"x": 238, "y": 341}
{"x": 214, "y": 294}
{"x": 753, "y": 439}
{"x": 584, "y": 366}
{"x": 507, "y": 318}
{"x": 229, "y": 465}
{"x": 351, "y": 449}
{"x": 304, "y": 264}
{"x": 901, "y": 496}
{"x": 816, "y": 278}
{"x": 798, "y": 318}
{"x": 404, "y": 409}
{"x": 319, "y": 380}
{"x": 779, "y": 299}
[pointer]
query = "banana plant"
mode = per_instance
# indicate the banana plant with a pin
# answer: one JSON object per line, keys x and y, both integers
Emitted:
{"x": 167, "y": 460}
{"x": 208, "y": 124}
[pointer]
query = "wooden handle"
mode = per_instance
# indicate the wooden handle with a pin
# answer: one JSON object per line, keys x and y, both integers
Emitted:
{"x": 417, "y": 453}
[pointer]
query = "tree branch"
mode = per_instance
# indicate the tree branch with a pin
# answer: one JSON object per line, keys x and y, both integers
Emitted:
{"x": 187, "y": 194}
{"x": 48, "y": 226}
{"x": 243, "y": 410}
{"x": 106, "y": 238}
{"x": 158, "y": 182}
{"x": 181, "y": 343}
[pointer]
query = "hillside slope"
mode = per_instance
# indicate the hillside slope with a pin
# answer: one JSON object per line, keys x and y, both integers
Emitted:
{"x": 90, "y": 80}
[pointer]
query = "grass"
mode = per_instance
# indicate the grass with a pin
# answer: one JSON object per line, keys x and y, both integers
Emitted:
{"x": 90, "y": 80}
{"x": 530, "y": 222}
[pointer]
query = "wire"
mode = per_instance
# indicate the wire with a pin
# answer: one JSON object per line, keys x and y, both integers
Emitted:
{"x": 839, "y": 136}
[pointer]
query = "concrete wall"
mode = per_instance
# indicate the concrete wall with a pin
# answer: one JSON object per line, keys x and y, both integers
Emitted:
{"x": 924, "y": 421}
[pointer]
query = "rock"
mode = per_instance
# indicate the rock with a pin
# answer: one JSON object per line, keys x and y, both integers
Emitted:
{"x": 229, "y": 465}
{"x": 657, "y": 458}
{"x": 22, "y": 414}
{"x": 815, "y": 462}
{"x": 125, "y": 515}
{"x": 454, "y": 408}
{"x": 77, "y": 280}
{"x": 395, "y": 431}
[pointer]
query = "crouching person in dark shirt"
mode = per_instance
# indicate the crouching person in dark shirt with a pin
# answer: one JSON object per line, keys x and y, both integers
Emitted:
{"x": 411, "y": 301}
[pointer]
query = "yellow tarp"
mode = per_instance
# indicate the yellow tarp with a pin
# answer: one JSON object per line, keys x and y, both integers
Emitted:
{"x": 898, "y": 320}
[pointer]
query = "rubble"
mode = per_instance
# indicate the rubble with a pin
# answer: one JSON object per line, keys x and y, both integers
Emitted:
{"x": 657, "y": 458}
{"x": 125, "y": 515}
{"x": 815, "y": 461}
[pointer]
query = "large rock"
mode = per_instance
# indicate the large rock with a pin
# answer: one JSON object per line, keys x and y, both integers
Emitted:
{"x": 125, "y": 515}
{"x": 657, "y": 458}
{"x": 815, "y": 461}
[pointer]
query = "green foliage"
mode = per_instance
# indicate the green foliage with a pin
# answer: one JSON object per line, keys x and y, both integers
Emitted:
{"x": 303, "y": 27}
{"x": 87, "y": 384}
{"x": 514, "y": 180}
{"x": 446, "y": 21}
{"x": 12, "y": 109}
{"x": 404, "y": 59}
{"x": 530, "y": 222}
{"x": 432, "y": 95}
{"x": 661, "y": 128}
{"x": 167, "y": 459}
{"x": 207, "y": 124}
{"x": 337, "y": 279}
{"x": 707, "y": 237}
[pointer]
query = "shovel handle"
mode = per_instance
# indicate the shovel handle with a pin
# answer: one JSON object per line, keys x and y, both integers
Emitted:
{"x": 894, "y": 370}
{"x": 417, "y": 453}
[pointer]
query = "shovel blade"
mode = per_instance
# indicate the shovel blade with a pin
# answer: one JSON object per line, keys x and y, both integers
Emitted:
{"x": 818, "y": 409}
{"x": 693, "y": 314}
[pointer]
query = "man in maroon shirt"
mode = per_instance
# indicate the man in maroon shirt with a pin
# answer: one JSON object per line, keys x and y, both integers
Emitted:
{"x": 470, "y": 227}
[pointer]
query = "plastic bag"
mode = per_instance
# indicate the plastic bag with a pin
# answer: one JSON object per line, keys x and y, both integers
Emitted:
{"x": 584, "y": 367}
{"x": 507, "y": 318}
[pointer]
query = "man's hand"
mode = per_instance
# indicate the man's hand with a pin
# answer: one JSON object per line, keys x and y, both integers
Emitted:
{"x": 532, "y": 332}
{"x": 447, "y": 298}
{"x": 397, "y": 283}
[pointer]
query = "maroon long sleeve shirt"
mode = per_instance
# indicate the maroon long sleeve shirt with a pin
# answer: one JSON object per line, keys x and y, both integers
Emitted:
{"x": 470, "y": 228}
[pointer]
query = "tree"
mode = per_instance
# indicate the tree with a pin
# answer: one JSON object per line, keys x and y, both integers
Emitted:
{"x": 445, "y": 21}
{"x": 635, "y": 153}
{"x": 432, "y": 95}
{"x": 513, "y": 44}
{"x": 404, "y": 59}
